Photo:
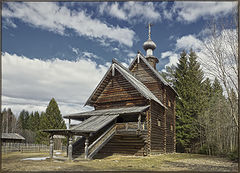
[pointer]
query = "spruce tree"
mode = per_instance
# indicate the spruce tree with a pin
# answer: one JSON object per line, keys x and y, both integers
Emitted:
{"x": 31, "y": 122}
{"x": 23, "y": 119}
{"x": 188, "y": 84}
{"x": 36, "y": 121}
{"x": 217, "y": 88}
{"x": 51, "y": 119}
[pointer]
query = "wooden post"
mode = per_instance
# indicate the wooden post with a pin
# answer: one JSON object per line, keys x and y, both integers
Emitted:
{"x": 70, "y": 148}
{"x": 86, "y": 147}
{"x": 51, "y": 146}
{"x": 69, "y": 122}
{"x": 139, "y": 122}
{"x": 67, "y": 143}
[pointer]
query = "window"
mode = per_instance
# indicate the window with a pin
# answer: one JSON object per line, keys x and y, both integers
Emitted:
{"x": 159, "y": 122}
{"x": 169, "y": 103}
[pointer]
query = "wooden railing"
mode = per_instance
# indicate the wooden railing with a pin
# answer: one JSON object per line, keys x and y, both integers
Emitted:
{"x": 101, "y": 141}
{"x": 131, "y": 126}
{"x": 106, "y": 136}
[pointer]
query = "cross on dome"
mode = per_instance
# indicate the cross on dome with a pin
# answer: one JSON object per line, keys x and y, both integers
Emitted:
{"x": 149, "y": 45}
{"x": 149, "y": 31}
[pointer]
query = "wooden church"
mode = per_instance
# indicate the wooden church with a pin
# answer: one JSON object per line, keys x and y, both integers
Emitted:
{"x": 134, "y": 113}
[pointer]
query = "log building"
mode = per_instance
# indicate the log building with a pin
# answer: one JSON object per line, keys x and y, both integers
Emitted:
{"x": 134, "y": 112}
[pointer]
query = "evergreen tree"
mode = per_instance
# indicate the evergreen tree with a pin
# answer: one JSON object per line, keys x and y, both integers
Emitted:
{"x": 23, "y": 119}
{"x": 51, "y": 119}
{"x": 36, "y": 121}
{"x": 31, "y": 122}
{"x": 189, "y": 85}
{"x": 217, "y": 88}
{"x": 169, "y": 74}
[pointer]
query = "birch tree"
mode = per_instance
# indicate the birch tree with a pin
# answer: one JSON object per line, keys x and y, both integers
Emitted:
{"x": 219, "y": 57}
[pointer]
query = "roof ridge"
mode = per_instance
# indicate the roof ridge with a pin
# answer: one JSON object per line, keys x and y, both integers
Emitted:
{"x": 118, "y": 63}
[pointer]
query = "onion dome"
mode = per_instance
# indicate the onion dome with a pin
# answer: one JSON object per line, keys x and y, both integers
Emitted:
{"x": 149, "y": 44}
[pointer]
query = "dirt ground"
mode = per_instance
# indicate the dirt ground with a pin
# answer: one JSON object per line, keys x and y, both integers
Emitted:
{"x": 164, "y": 162}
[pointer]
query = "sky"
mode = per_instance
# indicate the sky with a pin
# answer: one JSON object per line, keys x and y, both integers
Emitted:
{"x": 62, "y": 50}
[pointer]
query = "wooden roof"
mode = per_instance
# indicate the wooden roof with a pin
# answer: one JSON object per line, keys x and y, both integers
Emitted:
{"x": 141, "y": 56}
{"x": 139, "y": 86}
{"x": 120, "y": 111}
{"x": 94, "y": 123}
{"x": 12, "y": 136}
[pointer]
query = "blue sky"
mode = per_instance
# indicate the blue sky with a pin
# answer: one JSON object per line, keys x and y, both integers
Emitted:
{"x": 62, "y": 50}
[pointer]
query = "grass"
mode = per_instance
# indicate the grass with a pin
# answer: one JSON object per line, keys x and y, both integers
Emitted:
{"x": 164, "y": 162}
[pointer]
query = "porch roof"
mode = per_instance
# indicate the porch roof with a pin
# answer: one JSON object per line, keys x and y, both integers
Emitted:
{"x": 92, "y": 124}
{"x": 103, "y": 112}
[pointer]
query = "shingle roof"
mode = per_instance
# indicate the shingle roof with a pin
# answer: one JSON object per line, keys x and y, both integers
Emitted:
{"x": 145, "y": 92}
{"x": 120, "y": 111}
{"x": 13, "y": 136}
{"x": 141, "y": 56}
{"x": 94, "y": 123}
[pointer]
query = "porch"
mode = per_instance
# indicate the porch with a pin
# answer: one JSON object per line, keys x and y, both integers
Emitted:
{"x": 90, "y": 149}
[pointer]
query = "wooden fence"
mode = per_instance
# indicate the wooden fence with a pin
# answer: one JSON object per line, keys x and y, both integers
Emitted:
{"x": 24, "y": 147}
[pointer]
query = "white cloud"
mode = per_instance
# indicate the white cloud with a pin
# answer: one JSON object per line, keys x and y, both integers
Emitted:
{"x": 131, "y": 55}
{"x": 113, "y": 10}
{"x": 89, "y": 55}
{"x": 189, "y": 42}
{"x": 192, "y": 11}
{"x": 75, "y": 50}
{"x": 31, "y": 83}
{"x": 9, "y": 23}
{"x": 53, "y": 17}
{"x": 173, "y": 58}
{"x": 131, "y": 11}
{"x": 115, "y": 49}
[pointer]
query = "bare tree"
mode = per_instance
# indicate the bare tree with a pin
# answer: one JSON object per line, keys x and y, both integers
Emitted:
{"x": 219, "y": 57}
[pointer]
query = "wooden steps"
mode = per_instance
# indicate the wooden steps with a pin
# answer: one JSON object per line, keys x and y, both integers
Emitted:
{"x": 122, "y": 144}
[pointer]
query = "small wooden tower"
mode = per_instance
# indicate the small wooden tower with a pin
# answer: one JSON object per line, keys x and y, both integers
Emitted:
{"x": 134, "y": 112}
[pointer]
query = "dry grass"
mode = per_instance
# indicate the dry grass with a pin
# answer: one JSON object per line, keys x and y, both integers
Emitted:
{"x": 164, "y": 162}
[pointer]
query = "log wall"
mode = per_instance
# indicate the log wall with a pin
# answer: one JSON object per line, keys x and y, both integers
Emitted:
{"x": 157, "y": 128}
{"x": 118, "y": 92}
{"x": 148, "y": 78}
{"x": 170, "y": 122}
{"x": 164, "y": 136}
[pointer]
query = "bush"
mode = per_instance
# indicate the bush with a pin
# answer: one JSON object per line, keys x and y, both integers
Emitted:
{"x": 203, "y": 149}
{"x": 233, "y": 155}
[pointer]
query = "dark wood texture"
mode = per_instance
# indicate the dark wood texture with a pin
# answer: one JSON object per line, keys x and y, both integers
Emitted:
{"x": 119, "y": 93}
{"x": 124, "y": 144}
{"x": 162, "y": 136}
{"x": 147, "y": 77}
{"x": 157, "y": 128}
